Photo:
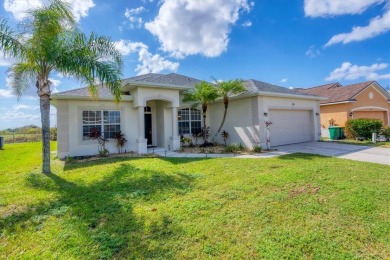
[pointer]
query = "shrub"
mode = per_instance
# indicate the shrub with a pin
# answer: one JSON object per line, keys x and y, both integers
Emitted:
{"x": 120, "y": 140}
{"x": 53, "y": 134}
{"x": 230, "y": 148}
{"x": 362, "y": 127}
{"x": 257, "y": 149}
{"x": 386, "y": 132}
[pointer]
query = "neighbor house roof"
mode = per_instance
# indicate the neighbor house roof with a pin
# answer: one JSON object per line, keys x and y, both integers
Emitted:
{"x": 337, "y": 93}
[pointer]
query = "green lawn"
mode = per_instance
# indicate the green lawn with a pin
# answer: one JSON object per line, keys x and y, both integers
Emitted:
{"x": 365, "y": 142}
{"x": 294, "y": 206}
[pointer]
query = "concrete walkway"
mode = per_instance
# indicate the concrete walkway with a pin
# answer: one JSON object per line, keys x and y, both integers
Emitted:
{"x": 346, "y": 151}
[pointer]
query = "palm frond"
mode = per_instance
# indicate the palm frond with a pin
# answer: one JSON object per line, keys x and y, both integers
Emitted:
{"x": 10, "y": 43}
{"x": 22, "y": 76}
{"x": 91, "y": 59}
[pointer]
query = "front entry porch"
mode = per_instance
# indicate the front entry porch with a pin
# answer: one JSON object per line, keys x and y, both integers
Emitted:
{"x": 157, "y": 126}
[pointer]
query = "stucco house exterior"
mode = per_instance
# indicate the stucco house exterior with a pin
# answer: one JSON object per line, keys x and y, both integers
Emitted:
{"x": 151, "y": 113}
{"x": 362, "y": 100}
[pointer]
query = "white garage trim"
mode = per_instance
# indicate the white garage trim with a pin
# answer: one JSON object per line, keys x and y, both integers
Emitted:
{"x": 291, "y": 126}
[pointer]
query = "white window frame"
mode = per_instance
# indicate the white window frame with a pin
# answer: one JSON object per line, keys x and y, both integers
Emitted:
{"x": 190, "y": 120}
{"x": 97, "y": 124}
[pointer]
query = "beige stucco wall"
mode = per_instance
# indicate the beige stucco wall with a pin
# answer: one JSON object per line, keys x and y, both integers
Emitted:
{"x": 245, "y": 120}
{"x": 239, "y": 121}
{"x": 142, "y": 95}
{"x": 69, "y": 121}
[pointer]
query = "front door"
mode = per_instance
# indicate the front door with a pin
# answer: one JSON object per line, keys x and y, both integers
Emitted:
{"x": 148, "y": 128}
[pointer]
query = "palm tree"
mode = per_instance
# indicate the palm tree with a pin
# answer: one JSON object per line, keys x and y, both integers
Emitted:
{"x": 202, "y": 94}
{"x": 50, "y": 42}
{"x": 227, "y": 89}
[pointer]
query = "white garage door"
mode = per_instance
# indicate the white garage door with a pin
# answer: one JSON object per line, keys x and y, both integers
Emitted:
{"x": 290, "y": 126}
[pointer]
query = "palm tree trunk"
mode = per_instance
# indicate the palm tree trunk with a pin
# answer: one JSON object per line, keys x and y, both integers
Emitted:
{"x": 226, "y": 103}
{"x": 45, "y": 119}
{"x": 43, "y": 86}
{"x": 204, "y": 110}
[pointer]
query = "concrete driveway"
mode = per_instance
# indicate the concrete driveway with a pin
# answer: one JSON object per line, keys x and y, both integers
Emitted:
{"x": 346, "y": 151}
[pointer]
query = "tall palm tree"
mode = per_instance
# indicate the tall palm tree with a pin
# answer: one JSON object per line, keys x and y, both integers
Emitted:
{"x": 50, "y": 42}
{"x": 227, "y": 89}
{"x": 202, "y": 94}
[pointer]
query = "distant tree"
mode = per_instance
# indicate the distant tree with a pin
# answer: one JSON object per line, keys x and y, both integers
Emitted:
{"x": 49, "y": 41}
{"x": 202, "y": 94}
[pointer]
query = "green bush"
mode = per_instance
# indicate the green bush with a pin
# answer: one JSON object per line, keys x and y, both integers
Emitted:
{"x": 257, "y": 149}
{"x": 231, "y": 148}
{"x": 53, "y": 134}
{"x": 386, "y": 132}
{"x": 362, "y": 127}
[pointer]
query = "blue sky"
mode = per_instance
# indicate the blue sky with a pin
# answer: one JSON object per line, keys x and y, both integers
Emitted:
{"x": 300, "y": 43}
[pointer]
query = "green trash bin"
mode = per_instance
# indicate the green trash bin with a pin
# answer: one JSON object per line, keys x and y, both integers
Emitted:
{"x": 334, "y": 132}
{"x": 342, "y": 134}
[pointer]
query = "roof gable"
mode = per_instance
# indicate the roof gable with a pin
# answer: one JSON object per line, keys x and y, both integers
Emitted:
{"x": 378, "y": 88}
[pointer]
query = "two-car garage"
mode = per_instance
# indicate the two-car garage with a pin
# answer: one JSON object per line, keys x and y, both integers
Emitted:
{"x": 290, "y": 126}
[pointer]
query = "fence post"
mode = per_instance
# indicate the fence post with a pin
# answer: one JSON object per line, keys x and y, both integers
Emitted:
{"x": 13, "y": 137}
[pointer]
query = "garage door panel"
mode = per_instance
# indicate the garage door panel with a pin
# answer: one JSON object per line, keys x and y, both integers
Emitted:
{"x": 290, "y": 126}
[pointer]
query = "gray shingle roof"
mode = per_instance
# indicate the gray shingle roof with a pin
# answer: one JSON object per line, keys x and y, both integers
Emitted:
{"x": 181, "y": 81}
{"x": 103, "y": 92}
{"x": 255, "y": 86}
{"x": 170, "y": 79}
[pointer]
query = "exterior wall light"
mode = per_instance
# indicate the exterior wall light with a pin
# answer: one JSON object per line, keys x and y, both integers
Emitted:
{"x": 317, "y": 114}
{"x": 265, "y": 114}
{"x": 351, "y": 114}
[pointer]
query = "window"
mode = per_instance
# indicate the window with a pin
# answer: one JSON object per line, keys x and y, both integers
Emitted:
{"x": 108, "y": 126}
{"x": 190, "y": 120}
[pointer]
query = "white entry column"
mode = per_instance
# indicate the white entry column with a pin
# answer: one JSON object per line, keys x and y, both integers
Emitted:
{"x": 142, "y": 144}
{"x": 175, "y": 139}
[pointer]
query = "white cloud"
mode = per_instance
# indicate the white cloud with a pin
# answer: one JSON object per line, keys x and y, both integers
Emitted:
{"x": 19, "y": 107}
{"x": 134, "y": 19}
{"x": 284, "y": 80}
{"x": 187, "y": 27}
{"x": 7, "y": 93}
{"x": 377, "y": 25}
{"x": 126, "y": 47}
{"x": 347, "y": 71}
{"x": 247, "y": 24}
{"x": 154, "y": 63}
{"x": 19, "y": 8}
{"x": 54, "y": 85}
{"x": 148, "y": 62}
{"x": 312, "y": 52}
{"x": 13, "y": 115}
{"x": 321, "y": 8}
{"x": 5, "y": 62}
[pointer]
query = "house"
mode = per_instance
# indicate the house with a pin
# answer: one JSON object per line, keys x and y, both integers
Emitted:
{"x": 362, "y": 100}
{"x": 151, "y": 113}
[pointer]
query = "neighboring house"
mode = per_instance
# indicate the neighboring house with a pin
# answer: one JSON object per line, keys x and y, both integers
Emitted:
{"x": 362, "y": 100}
{"x": 151, "y": 114}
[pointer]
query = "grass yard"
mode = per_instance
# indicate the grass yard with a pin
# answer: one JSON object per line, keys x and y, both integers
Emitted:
{"x": 385, "y": 144}
{"x": 294, "y": 206}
